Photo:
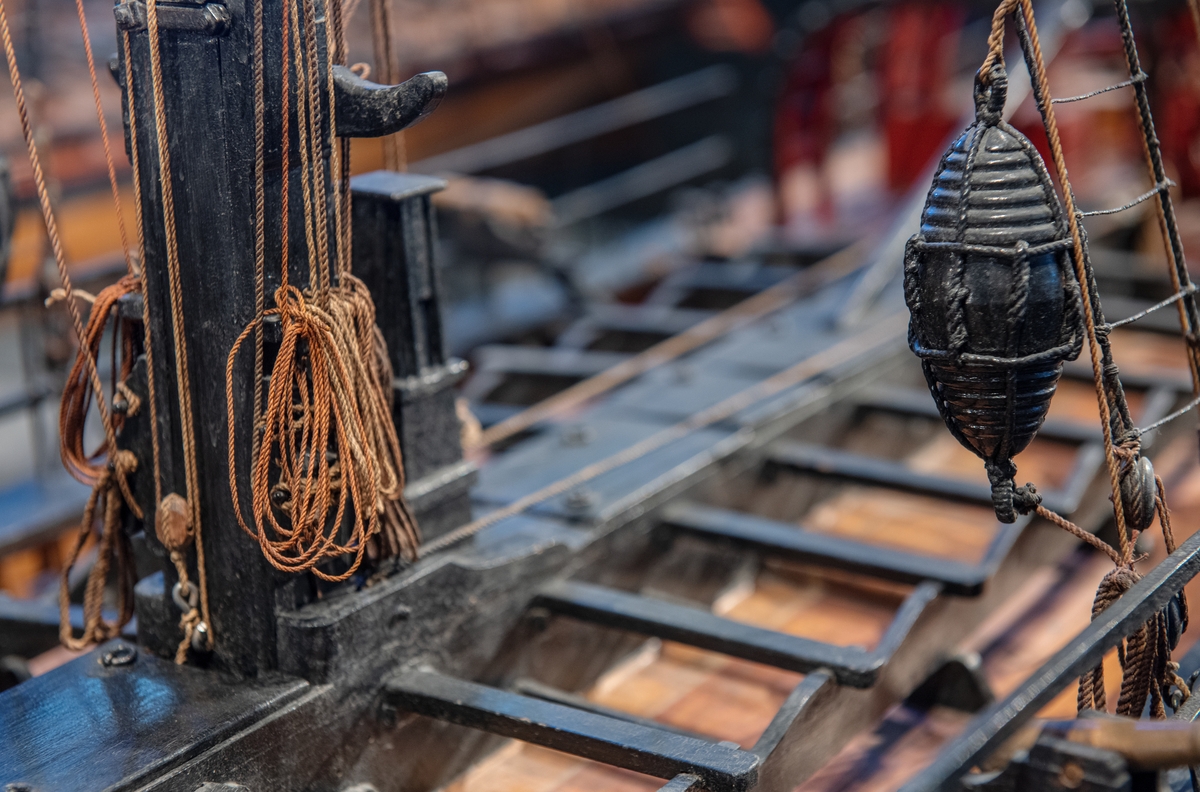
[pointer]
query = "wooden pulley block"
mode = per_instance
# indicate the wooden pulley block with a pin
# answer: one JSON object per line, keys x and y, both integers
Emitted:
{"x": 173, "y": 522}
{"x": 1139, "y": 493}
{"x": 992, "y": 292}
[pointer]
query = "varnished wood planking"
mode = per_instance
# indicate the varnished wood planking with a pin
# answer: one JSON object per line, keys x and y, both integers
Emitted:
{"x": 1052, "y": 608}
{"x": 1047, "y": 462}
{"x": 1140, "y": 351}
{"x": 720, "y": 697}
{"x": 889, "y": 518}
{"x": 734, "y": 700}
{"x": 519, "y": 766}
{"x": 881, "y": 760}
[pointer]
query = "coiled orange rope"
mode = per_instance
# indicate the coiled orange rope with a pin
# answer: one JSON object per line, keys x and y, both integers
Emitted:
{"x": 327, "y": 476}
{"x": 107, "y": 469}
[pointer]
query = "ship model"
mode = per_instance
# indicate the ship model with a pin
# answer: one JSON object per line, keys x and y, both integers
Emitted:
{"x": 696, "y": 567}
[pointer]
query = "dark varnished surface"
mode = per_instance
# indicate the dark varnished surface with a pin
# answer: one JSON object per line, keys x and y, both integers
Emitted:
{"x": 636, "y": 746}
{"x": 87, "y": 726}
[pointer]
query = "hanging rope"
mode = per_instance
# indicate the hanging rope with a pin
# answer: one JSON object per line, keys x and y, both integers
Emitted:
{"x": 107, "y": 470}
{"x": 327, "y": 476}
{"x": 195, "y": 615}
{"x": 77, "y": 391}
{"x": 130, "y": 268}
{"x": 1147, "y": 671}
{"x": 394, "y": 154}
{"x": 172, "y": 524}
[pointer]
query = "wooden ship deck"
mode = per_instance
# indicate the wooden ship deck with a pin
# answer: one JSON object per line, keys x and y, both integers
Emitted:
{"x": 803, "y": 587}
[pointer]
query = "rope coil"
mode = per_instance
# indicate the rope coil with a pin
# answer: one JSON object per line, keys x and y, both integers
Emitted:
{"x": 106, "y": 470}
{"x": 327, "y": 474}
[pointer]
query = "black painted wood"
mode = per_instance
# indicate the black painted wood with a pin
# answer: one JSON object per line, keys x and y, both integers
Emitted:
{"x": 1119, "y": 620}
{"x": 209, "y": 110}
{"x": 634, "y": 746}
{"x": 694, "y": 627}
{"x": 797, "y": 544}
{"x": 395, "y": 241}
{"x": 86, "y": 725}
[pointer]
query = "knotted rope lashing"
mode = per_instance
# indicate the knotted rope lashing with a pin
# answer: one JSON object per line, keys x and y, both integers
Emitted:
{"x": 327, "y": 476}
{"x": 1138, "y": 494}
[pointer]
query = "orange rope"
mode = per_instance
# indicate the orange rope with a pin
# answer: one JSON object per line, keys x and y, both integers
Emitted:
{"x": 327, "y": 476}
{"x": 182, "y": 374}
{"x": 110, "y": 485}
{"x": 1081, "y": 268}
{"x": 1144, "y": 656}
{"x": 108, "y": 157}
{"x": 88, "y": 468}
{"x": 394, "y": 153}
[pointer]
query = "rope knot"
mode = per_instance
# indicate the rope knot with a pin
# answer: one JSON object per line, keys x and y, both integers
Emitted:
{"x": 290, "y": 301}
{"x": 1000, "y": 476}
{"x": 1115, "y": 583}
{"x": 1026, "y": 499}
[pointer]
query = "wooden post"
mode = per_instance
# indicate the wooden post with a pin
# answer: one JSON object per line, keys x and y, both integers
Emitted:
{"x": 395, "y": 237}
{"x": 207, "y": 63}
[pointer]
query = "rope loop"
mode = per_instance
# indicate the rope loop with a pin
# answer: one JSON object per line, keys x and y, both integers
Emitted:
{"x": 991, "y": 92}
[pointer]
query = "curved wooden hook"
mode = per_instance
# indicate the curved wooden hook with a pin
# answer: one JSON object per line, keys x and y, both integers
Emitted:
{"x": 367, "y": 109}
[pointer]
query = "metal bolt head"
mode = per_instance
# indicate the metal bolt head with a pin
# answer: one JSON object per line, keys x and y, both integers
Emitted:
{"x": 575, "y": 436}
{"x": 582, "y": 499}
{"x": 120, "y": 655}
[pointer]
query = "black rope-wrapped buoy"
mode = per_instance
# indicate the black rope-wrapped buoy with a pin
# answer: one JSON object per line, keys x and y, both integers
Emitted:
{"x": 993, "y": 296}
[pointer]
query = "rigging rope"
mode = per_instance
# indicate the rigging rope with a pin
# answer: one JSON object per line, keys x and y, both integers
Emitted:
{"x": 1145, "y": 657}
{"x": 327, "y": 475}
{"x": 194, "y": 616}
{"x": 394, "y": 153}
{"x": 110, "y": 485}
{"x": 108, "y": 157}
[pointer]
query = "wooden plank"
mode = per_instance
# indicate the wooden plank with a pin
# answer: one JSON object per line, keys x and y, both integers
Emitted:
{"x": 735, "y": 700}
{"x": 1050, "y": 609}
